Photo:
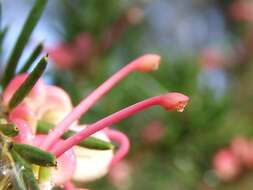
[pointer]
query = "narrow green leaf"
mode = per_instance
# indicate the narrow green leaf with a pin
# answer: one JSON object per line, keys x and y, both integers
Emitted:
{"x": 22, "y": 40}
{"x": 26, "y": 172}
{"x": 28, "y": 84}
{"x": 36, "y": 52}
{"x": 90, "y": 142}
{"x": 3, "y": 34}
{"x": 35, "y": 155}
{"x": 9, "y": 129}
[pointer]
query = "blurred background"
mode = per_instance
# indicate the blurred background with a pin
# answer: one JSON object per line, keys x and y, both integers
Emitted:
{"x": 207, "y": 53}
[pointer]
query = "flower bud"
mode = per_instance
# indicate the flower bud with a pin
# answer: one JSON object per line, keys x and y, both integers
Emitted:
{"x": 175, "y": 100}
{"x": 148, "y": 62}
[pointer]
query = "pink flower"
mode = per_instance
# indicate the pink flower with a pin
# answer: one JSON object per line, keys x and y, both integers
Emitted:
{"x": 243, "y": 149}
{"x": 226, "y": 165}
{"x": 211, "y": 58}
{"x": 73, "y": 54}
{"x": 153, "y": 132}
{"x": 242, "y": 10}
{"x": 63, "y": 56}
{"x": 51, "y": 104}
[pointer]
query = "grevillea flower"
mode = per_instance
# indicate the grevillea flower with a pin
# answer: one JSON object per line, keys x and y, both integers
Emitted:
{"x": 42, "y": 143}
{"x": 243, "y": 149}
{"x": 48, "y": 105}
{"x": 73, "y": 54}
{"x": 226, "y": 165}
{"x": 229, "y": 162}
{"x": 241, "y": 10}
{"x": 153, "y": 132}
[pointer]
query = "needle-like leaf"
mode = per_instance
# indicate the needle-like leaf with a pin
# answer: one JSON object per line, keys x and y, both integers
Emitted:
{"x": 35, "y": 155}
{"x": 36, "y": 52}
{"x": 22, "y": 40}
{"x": 3, "y": 33}
{"x": 28, "y": 84}
{"x": 90, "y": 142}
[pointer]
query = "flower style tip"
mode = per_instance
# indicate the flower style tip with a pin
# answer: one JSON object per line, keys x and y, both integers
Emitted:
{"x": 175, "y": 101}
{"x": 148, "y": 62}
{"x": 169, "y": 101}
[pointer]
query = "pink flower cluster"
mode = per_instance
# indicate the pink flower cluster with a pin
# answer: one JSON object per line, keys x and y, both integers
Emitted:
{"x": 76, "y": 53}
{"x": 52, "y": 104}
{"x": 242, "y": 10}
{"x": 229, "y": 162}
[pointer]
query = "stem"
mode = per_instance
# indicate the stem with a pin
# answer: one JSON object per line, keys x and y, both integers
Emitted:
{"x": 169, "y": 101}
{"x": 123, "y": 143}
{"x": 144, "y": 63}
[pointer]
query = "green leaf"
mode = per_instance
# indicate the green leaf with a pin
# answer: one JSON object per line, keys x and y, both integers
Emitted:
{"x": 28, "y": 84}
{"x": 3, "y": 34}
{"x": 36, "y": 52}
{"x": 90, "y": 142}
{"x": 9, "y": 129}
{"x": 22, "y": 40}
{"x": 35, "y": 155}
{"x": 26, "y": 172}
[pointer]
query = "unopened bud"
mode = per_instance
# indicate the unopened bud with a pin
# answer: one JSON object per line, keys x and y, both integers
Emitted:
{"x": 175, "y": 100}
{"x": 148, "y": 62}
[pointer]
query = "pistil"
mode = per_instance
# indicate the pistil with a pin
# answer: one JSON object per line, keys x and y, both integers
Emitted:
{"x": 169, "y": 101}
{"x": 145, "y": 63}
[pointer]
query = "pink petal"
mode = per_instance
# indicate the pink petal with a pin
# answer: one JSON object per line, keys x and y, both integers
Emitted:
{"x": 36, "y": 94}
{"x": 66, "y": 164}
{"x": 25, "y": 132}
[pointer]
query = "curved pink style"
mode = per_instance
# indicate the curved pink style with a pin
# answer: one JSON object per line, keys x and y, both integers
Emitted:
{"x": 123, "y": 142}
{"x": 169, "y": 101}
{"x": 145, "y": 63}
